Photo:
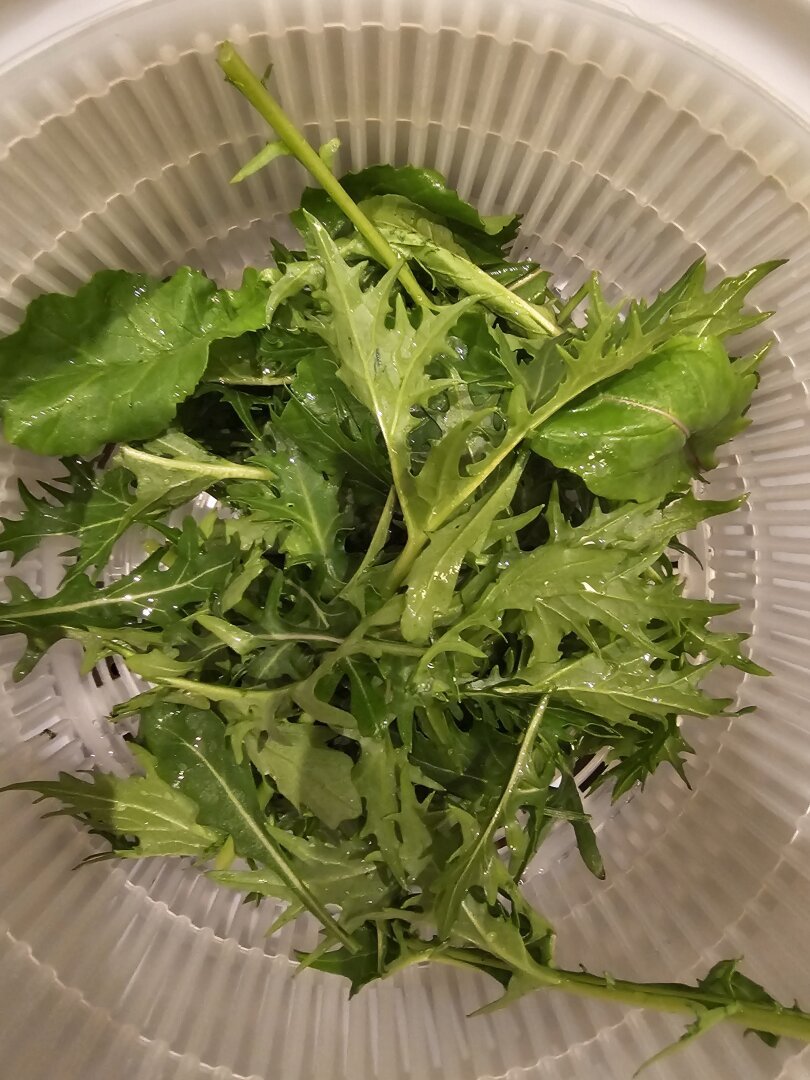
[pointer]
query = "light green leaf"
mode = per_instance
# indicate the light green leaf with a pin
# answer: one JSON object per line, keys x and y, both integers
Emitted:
{"x": 466, "y": 868}
{"x": 385, "y": 367}
{"x": 149, "y": 594}
{"x": 269, "y": 152}
{"x": 705, "y": 1020}
{"x": 432, "y": 581}
{"x": 303, "y": 498}
{"x": 174, "y": 469}
{"x": 141, "y": 815}
{"x": 307, "y": 772}
{"x": 192, "y": 755}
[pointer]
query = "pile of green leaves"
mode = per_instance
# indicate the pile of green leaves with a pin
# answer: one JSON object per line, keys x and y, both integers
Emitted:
{"x": 439, "y": 579}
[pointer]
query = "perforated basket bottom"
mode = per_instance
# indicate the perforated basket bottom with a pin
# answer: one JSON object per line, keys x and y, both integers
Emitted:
{"x": 625, "y": 153}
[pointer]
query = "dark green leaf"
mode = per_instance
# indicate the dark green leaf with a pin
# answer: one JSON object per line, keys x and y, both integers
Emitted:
{"x": 336, "y": 432}
{"x": 111, "y": 363}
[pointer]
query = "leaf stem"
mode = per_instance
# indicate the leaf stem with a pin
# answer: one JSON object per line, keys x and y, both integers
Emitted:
{"x": 663, "y": 997}
{"x": 251, "y": 87}
{"x": 573, "y": 302}
{"x": 255, "y": 380}
{"x": 470, "y": 859}
{"x": 405, "y": 559}
{"x": 776, "y": 1020}
{"x": 377, "y": 541}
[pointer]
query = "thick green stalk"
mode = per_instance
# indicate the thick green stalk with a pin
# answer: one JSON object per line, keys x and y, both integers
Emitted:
{"x": 774, "y": 1019}
{"x": 250, "y": 85}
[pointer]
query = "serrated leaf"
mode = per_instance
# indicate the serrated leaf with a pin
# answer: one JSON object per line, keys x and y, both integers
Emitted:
{"x": 142, "y": 816}
{"x": 151, "y": 593}
{"x": 341, "y": 873}
{"x": 464, "y": 870}
{"x": 382, "y": 779}
{"x": 360, "y": 968}
{"x": 433, "y": 579}
{"x": 619, "y": 684}
{"x": 385, "y": 367}
{"x": 192, "y": 755}
{"x": 302, "y": 498}
{"x": 94, "y": 510}
{"x": 336, "y": 432}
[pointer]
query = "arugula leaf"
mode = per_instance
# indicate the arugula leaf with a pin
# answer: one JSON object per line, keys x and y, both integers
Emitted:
{"x": 715, "y": 312}
{"x": 618, "y": 685}
{"x": 360, "y": 968}
{"x": 423, "y": 187}
{"x": 111, "y": 363}
{"x": 142, "y": 816}
{"x": 392, "y": 814}
{"x": 412, "y": 235}
{"x": 334, "y": 430}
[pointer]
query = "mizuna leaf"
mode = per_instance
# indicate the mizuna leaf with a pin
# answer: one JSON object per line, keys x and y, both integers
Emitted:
{"x": 385, "y": 367}
{"x": 174, "y": 469}
{"x": 464, "y": 870}
{"x": 192, "y": 755}
{"x": 149, "y": 594}
{"x": 334, "y": 430}
{"x": 142, "y": 816}
{"x": 301, "y": 498}
{"x": 93, "y": 511}
{"x": 433, "y": 578}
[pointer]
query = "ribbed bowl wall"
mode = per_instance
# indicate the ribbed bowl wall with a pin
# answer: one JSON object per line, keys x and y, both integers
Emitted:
{"x": 624, "y": 152}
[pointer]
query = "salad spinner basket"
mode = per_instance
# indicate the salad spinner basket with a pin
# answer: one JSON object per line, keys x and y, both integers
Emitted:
{"x": 625, "y": 152}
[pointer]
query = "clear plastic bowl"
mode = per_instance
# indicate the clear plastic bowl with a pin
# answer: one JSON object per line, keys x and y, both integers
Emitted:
{"x": 625, "y": 151}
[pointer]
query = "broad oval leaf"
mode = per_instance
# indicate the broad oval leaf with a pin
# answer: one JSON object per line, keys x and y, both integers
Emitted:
{"x": 112, "y": 363}
{"x": 648, "y": 431}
